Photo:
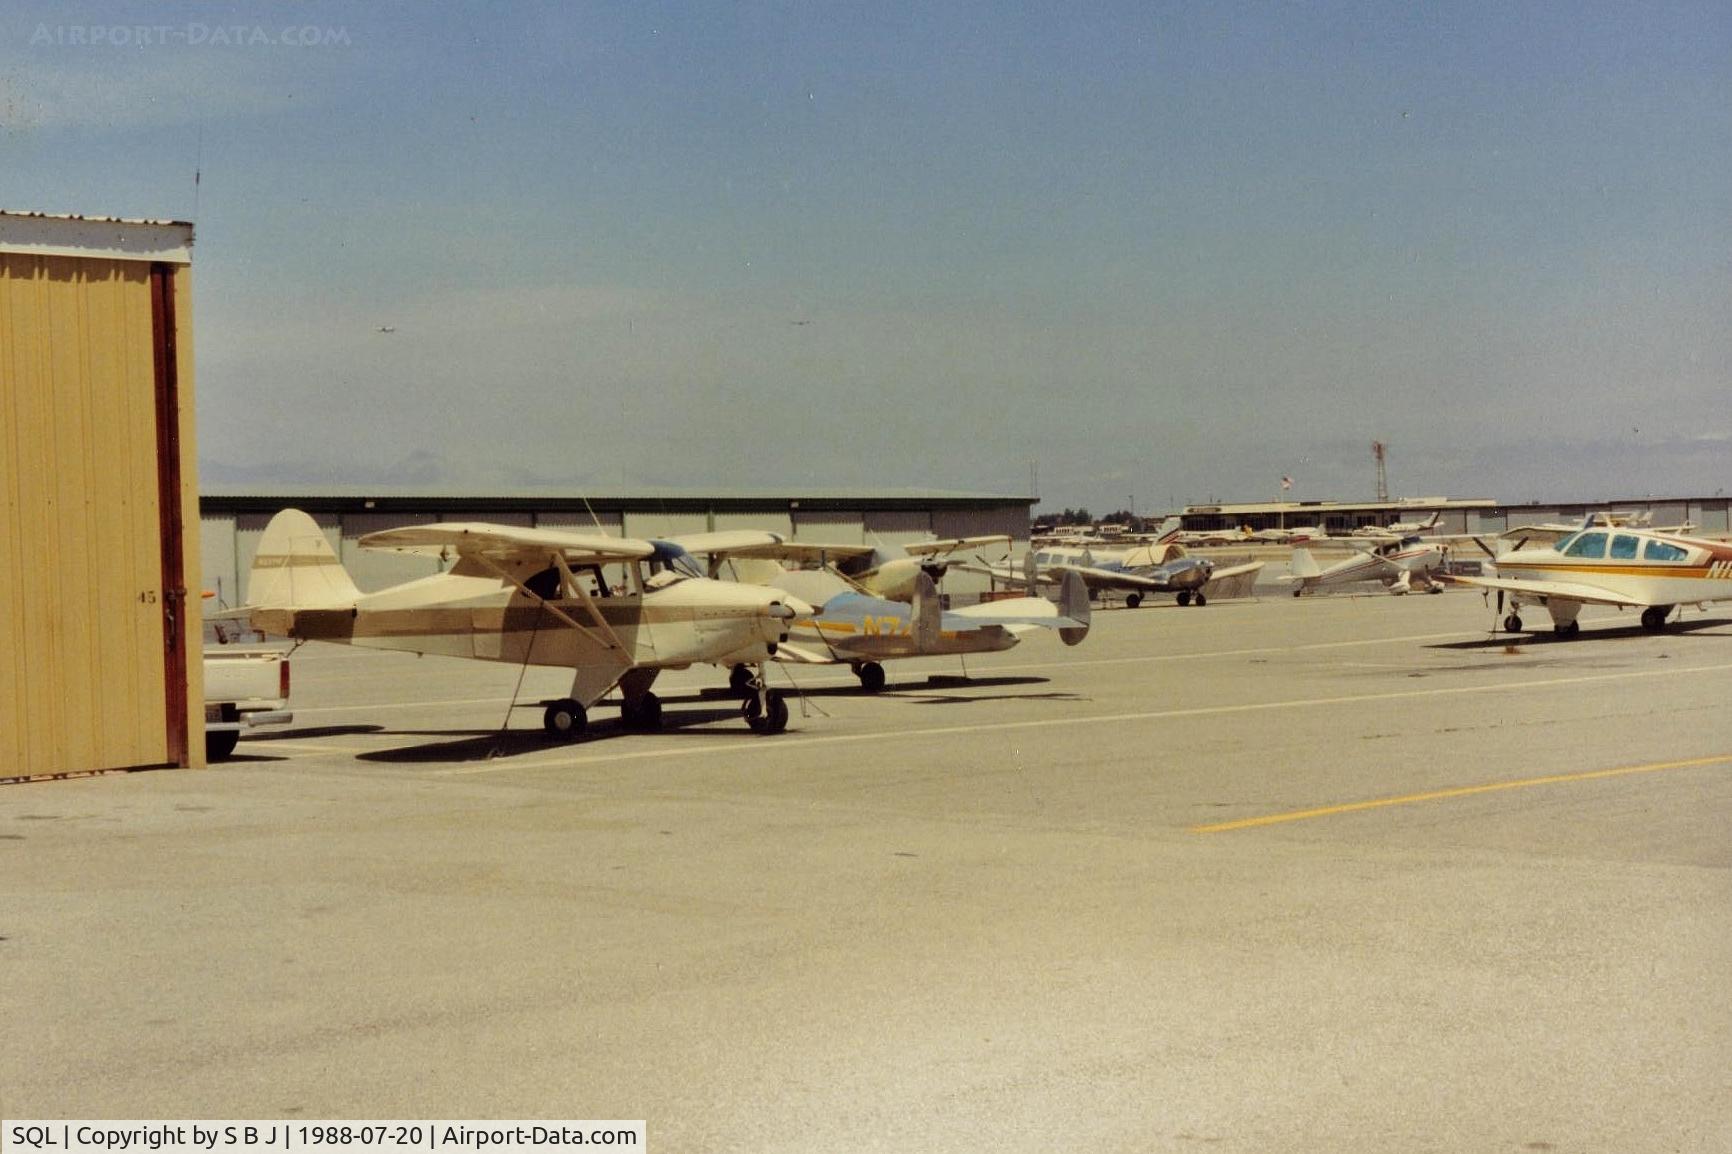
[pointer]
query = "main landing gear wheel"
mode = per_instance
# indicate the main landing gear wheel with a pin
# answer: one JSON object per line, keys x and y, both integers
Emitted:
{"x": 1296, "y": 592}
{"x": 564, "y": 719}
{"x": 1512, "y": 624}
{"x": 219, "y": 743}
{"x": 740, "y": 678}
{"x": 1199, "y": 599}
{"x": 1132, "y": 600}
{"x": 1183, "y": 596}
{"x": 646, "y": 714}
{"x": 1568, "y": 629}
{"x": 1654, "y": 617}
{"x": 871, "y": 675}
{"x": 766, "y": 712}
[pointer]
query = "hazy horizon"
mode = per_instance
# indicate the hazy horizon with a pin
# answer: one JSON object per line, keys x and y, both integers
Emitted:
{"x": 1157, "y": 254}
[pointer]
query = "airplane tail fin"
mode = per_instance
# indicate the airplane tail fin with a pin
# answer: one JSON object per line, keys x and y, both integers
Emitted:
{"x": 296, "y": 568}
{"x": 1168, "y": 531}
{"x": 1074, "y": 604}
{"x": 928, "y": 617}
{"x": 1303, "y": 564}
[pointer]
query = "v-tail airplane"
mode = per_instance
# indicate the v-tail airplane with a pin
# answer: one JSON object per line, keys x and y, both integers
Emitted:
{"x": 1655, "y": 572}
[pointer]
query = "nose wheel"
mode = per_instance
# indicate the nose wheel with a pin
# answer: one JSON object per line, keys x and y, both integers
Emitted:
{"x": 766, "y": 711}
{"x": 1512, "y": 624}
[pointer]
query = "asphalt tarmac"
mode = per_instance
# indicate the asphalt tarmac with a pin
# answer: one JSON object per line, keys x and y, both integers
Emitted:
{"x": 1343, "y": 873}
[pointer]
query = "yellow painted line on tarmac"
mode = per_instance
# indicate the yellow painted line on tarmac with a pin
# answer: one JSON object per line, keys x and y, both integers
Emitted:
{"x": 1462, "y": 791}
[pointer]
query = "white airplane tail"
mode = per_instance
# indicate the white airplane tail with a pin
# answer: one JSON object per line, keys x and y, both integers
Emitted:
{"x": 1168, "y": 531}
{"x": 1303, "y": 565}
{"x": 1074, "y": 604}
{"x": 296, "y": 568}
{"x": 928, "y": 616}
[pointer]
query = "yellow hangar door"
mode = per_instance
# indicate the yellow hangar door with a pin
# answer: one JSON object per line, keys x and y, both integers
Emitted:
{"x": 93, "y": 629}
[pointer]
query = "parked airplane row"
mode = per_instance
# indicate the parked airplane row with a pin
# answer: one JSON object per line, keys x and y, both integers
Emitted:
{"x": 541, "y": 597}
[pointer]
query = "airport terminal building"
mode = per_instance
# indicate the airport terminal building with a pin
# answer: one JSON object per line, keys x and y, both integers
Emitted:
{"x": 231, "y": 521}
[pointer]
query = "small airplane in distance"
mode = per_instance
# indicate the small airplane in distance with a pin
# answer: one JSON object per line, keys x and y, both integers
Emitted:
{"x": 1161, "y": 566}
{"x": 1399, "y": 529}
{"x": 1604, "y": 519}
{"x": 387, "y": 328}
{"x": 865, "y": 631}
{"x": 1403, "y": 565}
{"x": 532, "y": 597}
{"x": 1631, "y": 568}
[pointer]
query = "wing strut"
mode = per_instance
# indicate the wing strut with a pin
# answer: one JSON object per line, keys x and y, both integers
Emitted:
{"x": 570, "y": 582}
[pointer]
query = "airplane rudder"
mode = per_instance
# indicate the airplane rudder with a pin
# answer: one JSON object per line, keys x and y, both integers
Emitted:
{"x": 294, "y": 566}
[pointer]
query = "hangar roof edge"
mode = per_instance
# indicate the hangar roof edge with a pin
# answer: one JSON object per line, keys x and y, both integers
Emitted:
{"x": 103, "y": 237}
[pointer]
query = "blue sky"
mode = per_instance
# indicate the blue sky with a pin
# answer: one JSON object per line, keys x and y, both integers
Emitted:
{"x": 1167, "y": 252}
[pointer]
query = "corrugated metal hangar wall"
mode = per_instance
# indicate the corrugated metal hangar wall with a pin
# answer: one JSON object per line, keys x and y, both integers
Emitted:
{"x": 99, "y": 648}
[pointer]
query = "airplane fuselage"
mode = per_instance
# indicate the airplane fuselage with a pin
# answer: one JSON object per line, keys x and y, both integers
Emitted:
{"x": 1643, "y": 567}
{"x": 483, "y": 617}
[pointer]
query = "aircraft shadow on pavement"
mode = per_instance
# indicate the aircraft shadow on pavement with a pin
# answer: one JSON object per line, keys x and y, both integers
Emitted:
{"x": 321, "y": 731}
{"x": 492, "y": 744}
{"x": 1590, "y": 632}
{"x": 974, "y": 698}
{"x": 897, "y": 689}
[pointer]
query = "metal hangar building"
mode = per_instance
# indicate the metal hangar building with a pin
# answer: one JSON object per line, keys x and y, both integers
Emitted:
{"x": 232, "y": 520}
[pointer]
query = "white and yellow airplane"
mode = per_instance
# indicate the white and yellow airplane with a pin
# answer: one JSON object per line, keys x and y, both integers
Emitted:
{"x": 852, "y": 625}
{"x": 533, "y": 597}
{"x": 1631, "y": 568}
{"x": 864, "y": 631}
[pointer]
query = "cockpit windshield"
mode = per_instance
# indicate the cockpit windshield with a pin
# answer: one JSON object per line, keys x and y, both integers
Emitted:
{"x": 670, "y": 563}
{"x": 1564, "y": 544}
{"x": 1588, "y": 545}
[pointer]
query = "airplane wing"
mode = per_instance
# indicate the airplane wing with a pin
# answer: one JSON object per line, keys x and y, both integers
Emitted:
{"x": 800, "y": 655}
{"x": 1104, "y": 578}
{"x": 1017, "y": 614}
{"x": 506, "y": 542}
{"x": 1561, "y": 590}
{"x": 926, "y": 548}
{"x": 749, "y": 543}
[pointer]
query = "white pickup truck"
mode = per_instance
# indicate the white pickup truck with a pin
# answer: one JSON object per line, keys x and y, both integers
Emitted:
{"x": 244, "y": 686}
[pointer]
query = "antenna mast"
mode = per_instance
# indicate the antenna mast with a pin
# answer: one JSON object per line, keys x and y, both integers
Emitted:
{"x": 1378, "y": 449}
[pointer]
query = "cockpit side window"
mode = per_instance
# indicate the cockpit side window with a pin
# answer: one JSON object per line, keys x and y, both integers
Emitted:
{"x": 1661, "y": 551}
{"x": 1624, "y": 547}
{"x": 1563, "y": 546}
{"x": 1587, "y": 545}
{"x": 544, "y": 584}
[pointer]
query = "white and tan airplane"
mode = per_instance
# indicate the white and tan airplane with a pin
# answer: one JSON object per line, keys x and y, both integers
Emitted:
{"x": 533, "y": 597}
{"x": 887, "y": 571}
{"x": 1644, "y": 569}
{"x": 1159, "y": 566}
{"x": 1403, "y": 564}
